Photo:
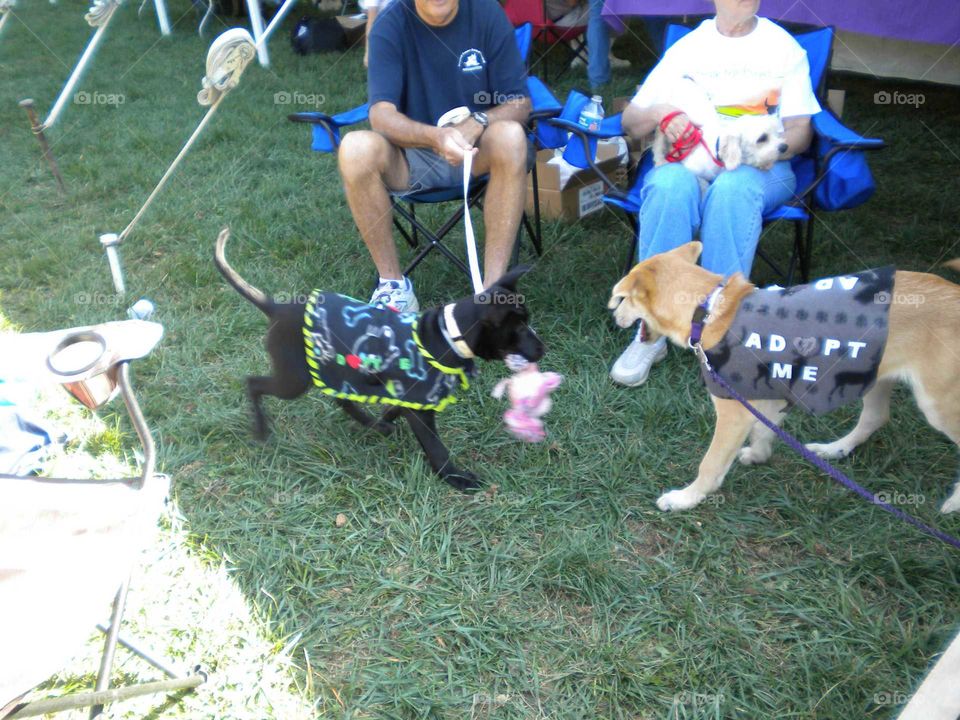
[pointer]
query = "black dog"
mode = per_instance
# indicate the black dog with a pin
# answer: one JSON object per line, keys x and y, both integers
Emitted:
{"x": 412, "y": 378}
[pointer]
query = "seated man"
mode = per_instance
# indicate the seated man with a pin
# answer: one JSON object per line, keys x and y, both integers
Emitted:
{"x": 428, "y": 57}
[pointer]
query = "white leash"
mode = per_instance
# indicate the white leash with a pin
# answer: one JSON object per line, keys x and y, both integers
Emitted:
{"x": 468, "y": 227}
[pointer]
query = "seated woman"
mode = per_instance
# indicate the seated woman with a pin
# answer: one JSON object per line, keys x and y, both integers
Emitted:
{"x": 745, "y": 64}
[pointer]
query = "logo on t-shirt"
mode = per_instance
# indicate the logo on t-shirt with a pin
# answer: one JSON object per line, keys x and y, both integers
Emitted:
{"x": 472, "y": 60}
{"x": 767, "y": 104}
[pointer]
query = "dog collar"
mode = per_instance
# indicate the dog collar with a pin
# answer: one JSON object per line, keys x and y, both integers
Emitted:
{"x": 453, "y": 336}
{"x": 704, "y": 314}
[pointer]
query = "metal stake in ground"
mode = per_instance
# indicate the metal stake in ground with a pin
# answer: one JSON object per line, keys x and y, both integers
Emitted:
{"x": 227, "y": 58}
{"x": 99, "y": 17}
{"x": 37, "y": 128}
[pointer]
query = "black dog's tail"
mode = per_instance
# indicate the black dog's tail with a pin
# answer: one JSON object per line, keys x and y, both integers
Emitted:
{"x": 255, "y": 296}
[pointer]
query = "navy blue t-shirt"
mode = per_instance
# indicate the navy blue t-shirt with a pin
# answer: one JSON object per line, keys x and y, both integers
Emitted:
{"x": 426, "y": 71}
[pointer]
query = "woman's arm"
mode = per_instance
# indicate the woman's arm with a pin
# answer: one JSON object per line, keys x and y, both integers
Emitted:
{"x": 798, "y": 134}
{"x": 639, "y": 122}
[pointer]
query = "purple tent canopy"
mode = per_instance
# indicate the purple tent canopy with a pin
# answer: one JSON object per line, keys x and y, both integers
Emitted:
{"x": 931, "y": 21}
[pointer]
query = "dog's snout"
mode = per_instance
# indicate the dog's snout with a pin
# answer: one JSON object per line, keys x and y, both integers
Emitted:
{"x": 783, "y": 147}
{"x": 531, "y": 346}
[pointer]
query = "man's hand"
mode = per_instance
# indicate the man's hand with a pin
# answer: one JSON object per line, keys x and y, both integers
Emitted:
{"x": 452, "y": 146}
{"x": 471, "y": 130}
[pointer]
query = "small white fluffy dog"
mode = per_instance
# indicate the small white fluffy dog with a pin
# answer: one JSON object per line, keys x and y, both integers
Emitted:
{"x": 755, "y": 140}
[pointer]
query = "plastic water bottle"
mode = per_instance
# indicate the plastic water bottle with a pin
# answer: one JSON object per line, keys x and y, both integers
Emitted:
{"x": 592, "y": 114}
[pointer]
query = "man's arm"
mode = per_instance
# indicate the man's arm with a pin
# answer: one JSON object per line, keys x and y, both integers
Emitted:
{"x": 399, "y": 129}
{"x": 517, "y": 110}
{"x": 451, "y": 143}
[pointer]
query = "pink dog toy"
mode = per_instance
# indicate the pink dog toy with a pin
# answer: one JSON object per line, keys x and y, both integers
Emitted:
{"x": 529, "y": 393}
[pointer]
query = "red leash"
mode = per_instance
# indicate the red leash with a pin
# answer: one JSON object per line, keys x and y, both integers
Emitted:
{"x": 690, "y": 137}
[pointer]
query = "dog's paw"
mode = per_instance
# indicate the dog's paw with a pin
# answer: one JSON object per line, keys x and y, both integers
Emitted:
{"x": 462, "y": 479}
{"x": 384, "y": 428}
{"x": 754, "y": 456}
{"x": 952, "y": 503}
{"x": 680, "y": 499}
{"x": 829, "y": 451}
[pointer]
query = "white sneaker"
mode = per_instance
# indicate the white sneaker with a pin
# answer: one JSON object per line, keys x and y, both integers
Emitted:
{"x": 633, "y": 366}
{"x": 396, "y": 294}
{"x": 618, "y": 63}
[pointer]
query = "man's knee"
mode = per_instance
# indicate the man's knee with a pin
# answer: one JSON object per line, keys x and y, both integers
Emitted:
{"x": 505, "y": 142}
{"x": 363, "y": 155}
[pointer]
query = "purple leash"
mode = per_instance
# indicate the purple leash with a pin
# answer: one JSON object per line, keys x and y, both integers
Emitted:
{"x": 696, "y": 331}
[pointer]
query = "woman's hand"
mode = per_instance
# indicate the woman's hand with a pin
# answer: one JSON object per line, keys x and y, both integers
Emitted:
{"x": 676, "y": 126}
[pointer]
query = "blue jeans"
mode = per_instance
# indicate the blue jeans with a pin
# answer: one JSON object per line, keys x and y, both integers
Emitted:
{"x": 729, "y": 215}
{"x": 598, "y": 47}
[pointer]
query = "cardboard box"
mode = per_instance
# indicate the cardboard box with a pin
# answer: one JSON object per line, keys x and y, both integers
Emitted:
{"x": 835, "y": 100}
{"x": 583, "y": 193}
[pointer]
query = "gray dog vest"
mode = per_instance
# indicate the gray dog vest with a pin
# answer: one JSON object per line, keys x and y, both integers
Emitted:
{"x": 817, "y": 346}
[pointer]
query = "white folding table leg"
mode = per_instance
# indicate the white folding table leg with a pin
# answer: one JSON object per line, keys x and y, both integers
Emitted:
{"x": 162, "y": 16}
{"x": 256, "y": 24}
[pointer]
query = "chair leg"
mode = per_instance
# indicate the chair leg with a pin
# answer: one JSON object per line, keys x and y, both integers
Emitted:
{"x": 534, "y": 237}
{"x": 538, "y": 238}
{"x": 413, "y": 224}
{"x": 808, "y": 249}
{"x": 634, "y": 241}
{"x": 396, "y": 209}
{"x": 796, "y": 257}
{"x": 110, "y": 645}
{"x": 434, "y": 240}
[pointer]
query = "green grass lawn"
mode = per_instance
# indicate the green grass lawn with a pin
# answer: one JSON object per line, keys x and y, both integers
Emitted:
{"x": 561, "y": 592}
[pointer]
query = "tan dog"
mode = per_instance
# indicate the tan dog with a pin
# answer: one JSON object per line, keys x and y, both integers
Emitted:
{"x": 922, "y": 347}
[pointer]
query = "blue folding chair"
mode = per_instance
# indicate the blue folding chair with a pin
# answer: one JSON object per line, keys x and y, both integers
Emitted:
{"x": 831, "y": 175}
{"x": 326, "y": 138}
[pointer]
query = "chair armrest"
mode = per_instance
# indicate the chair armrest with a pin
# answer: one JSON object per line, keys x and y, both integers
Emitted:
{"x": 543, "y": 102}
{"x": 314, "y": 118}
{"x": 326, "y": 128}
{"x": 610, "y": 127}
{"x": 826, "y": 125}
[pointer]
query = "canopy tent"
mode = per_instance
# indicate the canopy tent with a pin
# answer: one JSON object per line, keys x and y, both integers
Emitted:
{"x": 918, "y": 40}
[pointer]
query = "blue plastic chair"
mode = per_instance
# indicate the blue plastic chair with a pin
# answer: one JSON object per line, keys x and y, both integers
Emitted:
{"x": 825, "y": 166}
{"x": 326, "y": 139}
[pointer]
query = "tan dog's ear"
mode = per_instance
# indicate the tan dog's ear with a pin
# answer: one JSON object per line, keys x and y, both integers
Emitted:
{"x": 689, "y": 251}
{"x": 730, "y": 153}
{"x": 618, "y": 293}
{"x": 632, "y": 287}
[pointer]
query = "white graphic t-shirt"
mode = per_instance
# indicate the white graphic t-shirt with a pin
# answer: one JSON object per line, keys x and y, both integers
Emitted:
{"x": 764, "y": 72}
